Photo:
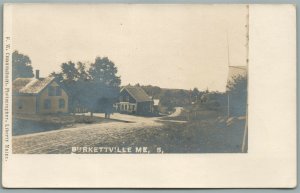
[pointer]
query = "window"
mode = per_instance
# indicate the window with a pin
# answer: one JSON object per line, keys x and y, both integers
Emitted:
{"x": 20, "y": 104}
{"x": 51, "y": 91}
{"x": 47, "y": 104}
{"x": 54, "y": 91}
{"x": 61, "y": 103}
{"x": 58, "y": 91}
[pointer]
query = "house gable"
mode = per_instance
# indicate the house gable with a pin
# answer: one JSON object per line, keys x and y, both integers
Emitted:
{"x": 125, "y": 96}
{"x": 57, "y": 102}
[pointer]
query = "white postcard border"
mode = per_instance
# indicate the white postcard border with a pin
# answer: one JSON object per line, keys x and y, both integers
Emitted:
{"x": 270, "y": 161}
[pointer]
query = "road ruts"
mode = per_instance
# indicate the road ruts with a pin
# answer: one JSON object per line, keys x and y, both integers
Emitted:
{"x": 61, "y": 141}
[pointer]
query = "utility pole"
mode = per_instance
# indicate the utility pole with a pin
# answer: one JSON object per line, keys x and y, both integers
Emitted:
{"x": 228, "y": 63}
{"x": 245, "y": 136}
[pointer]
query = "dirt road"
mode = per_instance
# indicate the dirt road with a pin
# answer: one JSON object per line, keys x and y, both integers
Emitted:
{"x": 176, "y": 112}
{"x": 61, "y": 141}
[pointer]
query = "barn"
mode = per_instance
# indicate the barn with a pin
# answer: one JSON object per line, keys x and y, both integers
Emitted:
{"x": 134, "y": 100}
{"x": 38, "y": 96}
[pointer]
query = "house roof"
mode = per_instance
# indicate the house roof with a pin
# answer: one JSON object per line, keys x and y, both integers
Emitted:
{"x": 235, "y": 71}
{"x": 137, "y": 93}
{"x": 31, "y": 85}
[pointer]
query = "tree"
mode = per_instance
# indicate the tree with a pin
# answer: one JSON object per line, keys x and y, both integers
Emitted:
{"x": 58, "y": 76}
{"x": 195, "y": 95}
{"x": 96, "y": 88}
{"x": 21, "y": 66}
{"x": 82, "y": 71}
{"x": 97, "y": 97}
{"x": 167, "y": 100}
{"x": 237, "y": 91}
{"x": 153, "y": 91}
{"x": 238, "y": 85}
{"x": 104, "y": 71}
{"x": 69, "y": 71}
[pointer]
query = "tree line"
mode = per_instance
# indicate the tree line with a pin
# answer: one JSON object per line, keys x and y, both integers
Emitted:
{"x": 234, "y": 99}
{"x": 96, "y": 86}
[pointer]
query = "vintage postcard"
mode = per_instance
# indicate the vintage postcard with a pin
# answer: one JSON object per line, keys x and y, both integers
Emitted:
{"x": 87, "y": 85}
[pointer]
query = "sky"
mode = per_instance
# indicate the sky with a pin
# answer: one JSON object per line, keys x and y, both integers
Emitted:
{"x": 171, "y": 46}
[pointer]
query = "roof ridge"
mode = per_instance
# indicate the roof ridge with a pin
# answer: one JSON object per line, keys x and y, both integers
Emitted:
{"x": 137, "y": 92}
{"x": 27, "y": 85}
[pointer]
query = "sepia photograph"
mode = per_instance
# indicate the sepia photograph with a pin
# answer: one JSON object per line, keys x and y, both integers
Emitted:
{"x": 87, "y": 80}
{"x": 149, "y": 96}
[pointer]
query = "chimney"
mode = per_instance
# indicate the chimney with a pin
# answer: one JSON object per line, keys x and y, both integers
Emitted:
{"x": 37, "y": 74}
